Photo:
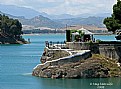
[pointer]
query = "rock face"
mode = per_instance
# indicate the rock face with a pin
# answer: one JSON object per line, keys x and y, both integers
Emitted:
{"x": 96, "y": 66}
{"x": 50, "y": 54}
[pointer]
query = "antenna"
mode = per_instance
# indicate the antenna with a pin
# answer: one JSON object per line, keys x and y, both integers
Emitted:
{"x": 66, "y": 27}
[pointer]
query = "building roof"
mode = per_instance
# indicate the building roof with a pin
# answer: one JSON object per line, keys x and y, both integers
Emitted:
{"x": 85, "y": 31}
{"x": 75, "y": 33}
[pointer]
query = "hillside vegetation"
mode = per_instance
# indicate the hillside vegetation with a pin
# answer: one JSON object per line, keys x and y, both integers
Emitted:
{"x": 10, "y": 30}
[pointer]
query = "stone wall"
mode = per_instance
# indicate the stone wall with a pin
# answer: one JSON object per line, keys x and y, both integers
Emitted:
{"x": 72, "y": 58}
{"x": 111, "y": 50}
{"x": 108, "y": 49}
{"x": 78, "y": 45}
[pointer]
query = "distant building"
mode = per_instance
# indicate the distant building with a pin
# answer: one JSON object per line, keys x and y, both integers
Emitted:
{"x": 80, "y": 35}
{"x": 93, "y": 29}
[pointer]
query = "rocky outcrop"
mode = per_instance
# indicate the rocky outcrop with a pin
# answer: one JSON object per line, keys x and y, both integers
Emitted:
{"x": 53, "y": 54}
{"x": 96, "y": 66}
{"x": 5, "y": 39}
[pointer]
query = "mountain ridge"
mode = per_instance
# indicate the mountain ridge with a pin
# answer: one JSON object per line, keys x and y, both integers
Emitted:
{"x": 19, "y": 11}
{"x": 30, "y": 13}
{"x": 43, "y": 19}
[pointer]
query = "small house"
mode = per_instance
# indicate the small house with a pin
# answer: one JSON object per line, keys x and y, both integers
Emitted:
{"x": 80, "y": 35}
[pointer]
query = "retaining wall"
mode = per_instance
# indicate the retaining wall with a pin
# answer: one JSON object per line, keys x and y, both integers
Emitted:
{"x": 108, "y": 49}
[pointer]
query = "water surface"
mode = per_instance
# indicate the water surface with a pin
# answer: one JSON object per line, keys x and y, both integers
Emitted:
{"x": 18, "y": 61}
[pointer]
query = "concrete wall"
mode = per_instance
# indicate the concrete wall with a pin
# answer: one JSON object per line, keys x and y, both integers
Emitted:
{"x": 72, "y": 58}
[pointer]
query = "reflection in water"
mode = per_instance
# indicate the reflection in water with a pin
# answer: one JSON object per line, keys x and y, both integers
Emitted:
{"x": 79, "y": 83}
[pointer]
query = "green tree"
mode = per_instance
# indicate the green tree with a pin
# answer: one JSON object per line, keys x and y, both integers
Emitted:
{"x": 10, "y": 26}
{"x": 113, "y": 23}
{"x": 4, "y": 27}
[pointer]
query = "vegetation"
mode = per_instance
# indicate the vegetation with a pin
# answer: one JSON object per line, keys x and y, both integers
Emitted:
{"x": 10, "y": 27}
{"x": 113, "y": 69}
{"x": 77, "y": 37}
{"x": 113, "y": 23}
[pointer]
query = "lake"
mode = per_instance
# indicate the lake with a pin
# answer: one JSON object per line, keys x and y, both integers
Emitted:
{"x": 18, "y": 61}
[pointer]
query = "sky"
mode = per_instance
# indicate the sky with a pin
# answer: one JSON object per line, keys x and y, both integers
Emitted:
{"x": 73, "y": 7}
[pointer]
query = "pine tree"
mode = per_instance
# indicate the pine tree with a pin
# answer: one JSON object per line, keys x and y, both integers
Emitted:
{"x": 113, "y": 23}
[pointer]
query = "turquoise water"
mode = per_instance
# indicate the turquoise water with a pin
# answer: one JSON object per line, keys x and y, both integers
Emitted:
{"x": 105, "y": 37}
{"x": 18, "y": 61}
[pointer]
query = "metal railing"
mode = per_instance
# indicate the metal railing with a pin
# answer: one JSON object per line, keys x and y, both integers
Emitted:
{"x": 52, "y": 44}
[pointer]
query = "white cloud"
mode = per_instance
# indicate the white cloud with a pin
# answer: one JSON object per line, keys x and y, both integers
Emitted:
{"x": 65, "y": 6}
{"x": 81, "y": 6}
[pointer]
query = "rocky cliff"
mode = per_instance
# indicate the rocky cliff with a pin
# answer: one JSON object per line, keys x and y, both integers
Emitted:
{"x": 96, "y": 66}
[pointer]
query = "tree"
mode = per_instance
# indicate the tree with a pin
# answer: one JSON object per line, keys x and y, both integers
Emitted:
{"x": 16, "y": 28}
{"x": 11, "y": 27}
{"x": 113, "y": 23}
{"x": 4, "y": 27}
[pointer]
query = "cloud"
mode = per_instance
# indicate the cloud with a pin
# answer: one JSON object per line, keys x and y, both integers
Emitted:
{"x": 81, "y": 7}
{"x": 65, "y": 6}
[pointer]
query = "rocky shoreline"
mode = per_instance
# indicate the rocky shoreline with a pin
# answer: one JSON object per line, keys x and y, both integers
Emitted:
{"x": 94, "y": 67}
{"x": 4, "y": 39}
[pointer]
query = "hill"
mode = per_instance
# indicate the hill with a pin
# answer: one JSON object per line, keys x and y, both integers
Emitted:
{"x": 95, "y": 21}
{"x": 37, "y": 21}
{"x": 28, "y": 16}
{"x": 40, "y": 21}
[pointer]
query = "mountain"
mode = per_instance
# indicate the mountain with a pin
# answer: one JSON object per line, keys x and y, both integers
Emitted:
{"x": 86, "y": 15}
{"x": 37, "y": 21}
{"x": 11, "y": 16}
{"x": 44, "y": 21}
{"x": 68, "y": 16}
{"x": 19, "y": 11}
{"x": 95, "y": 21}
{"x": 30, "y": 13}
{"x": 40, "y": 21}
{"x": 62, "y": 16}
{"x": 103, "y": 15}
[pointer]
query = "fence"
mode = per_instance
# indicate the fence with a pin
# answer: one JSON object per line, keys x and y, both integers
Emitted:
{"x": 53, "y": 44}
